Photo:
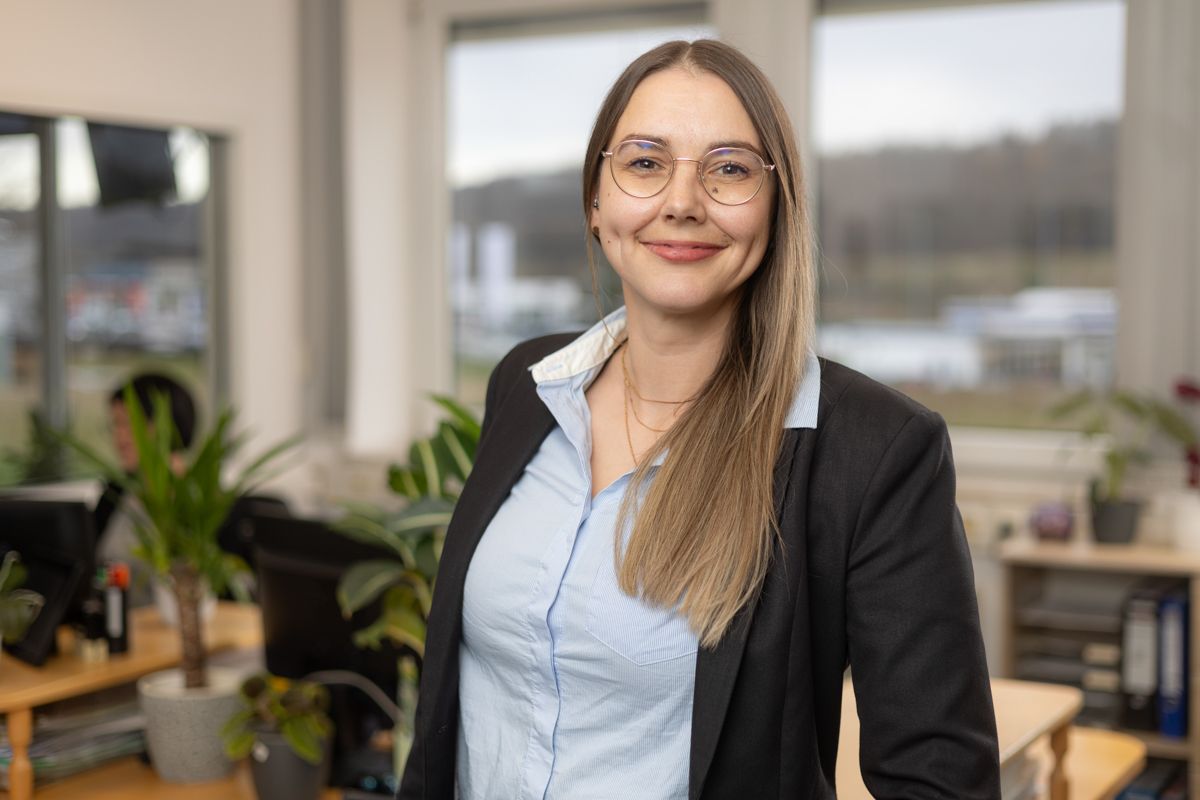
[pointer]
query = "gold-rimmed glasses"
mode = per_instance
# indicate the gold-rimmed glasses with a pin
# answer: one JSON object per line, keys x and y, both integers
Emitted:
{"x": 731, "y": 175}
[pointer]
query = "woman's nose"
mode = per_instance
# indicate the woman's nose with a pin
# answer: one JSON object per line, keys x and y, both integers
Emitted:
{"x": 684, "y": 195}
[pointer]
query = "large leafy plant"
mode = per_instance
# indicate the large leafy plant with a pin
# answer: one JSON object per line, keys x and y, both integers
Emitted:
{"x": 1129, "y": 421}
{"x": 428, "y": 487}
{"x": 18, "y": 607}
{"x": 182, "y": 501}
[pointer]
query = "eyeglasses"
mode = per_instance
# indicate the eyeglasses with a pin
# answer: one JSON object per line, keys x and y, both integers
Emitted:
{"x": 730, "y": 175}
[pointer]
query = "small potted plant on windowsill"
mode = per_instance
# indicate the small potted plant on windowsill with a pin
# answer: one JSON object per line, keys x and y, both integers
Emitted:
{"x": 18, "y": 607}
{"x": 284, "y": 727}
{"x": 1129, "y": 422}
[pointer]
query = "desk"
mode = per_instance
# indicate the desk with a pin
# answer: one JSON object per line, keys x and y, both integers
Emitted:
{"x": 130, "y": 779}
{"x": 153, "y": 646}
{"x": 1025, "y": 712}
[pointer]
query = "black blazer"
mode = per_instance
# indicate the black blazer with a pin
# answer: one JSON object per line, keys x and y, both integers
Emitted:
{"x": 873, "y": 572}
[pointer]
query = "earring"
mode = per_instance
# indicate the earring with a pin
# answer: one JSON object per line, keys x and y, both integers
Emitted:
{"x": 595, "y": 202}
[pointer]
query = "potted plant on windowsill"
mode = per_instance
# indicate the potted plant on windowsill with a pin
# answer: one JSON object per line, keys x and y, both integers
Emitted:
{"x": 1128, "y": 422}
{"x": 18, "y": 607}
{"x": 284, "y": 727}
{"x": 429, "y": 486}
{"x": 181, "y": 502}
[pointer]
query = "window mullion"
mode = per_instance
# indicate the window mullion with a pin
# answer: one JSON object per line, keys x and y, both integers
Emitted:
{"x": 53, "y": 275}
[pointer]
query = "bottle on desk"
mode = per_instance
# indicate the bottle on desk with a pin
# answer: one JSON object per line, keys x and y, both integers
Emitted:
{"x": 92, "y": 642}
{"x": 116, "y": 607}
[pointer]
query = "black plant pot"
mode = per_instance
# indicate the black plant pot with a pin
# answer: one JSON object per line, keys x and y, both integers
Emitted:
{"x": 280, "y": 774}
{"x": 1115, "y": 521}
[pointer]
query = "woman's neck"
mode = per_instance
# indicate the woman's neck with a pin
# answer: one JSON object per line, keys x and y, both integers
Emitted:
{"x": 670, "y": 358}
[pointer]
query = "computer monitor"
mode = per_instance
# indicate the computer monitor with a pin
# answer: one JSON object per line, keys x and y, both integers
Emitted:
{"x": 299, "y": 563}
{"x": 57, "y": 546}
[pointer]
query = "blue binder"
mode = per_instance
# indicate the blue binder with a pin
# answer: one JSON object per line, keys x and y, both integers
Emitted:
{"x": 1173, "y": 663}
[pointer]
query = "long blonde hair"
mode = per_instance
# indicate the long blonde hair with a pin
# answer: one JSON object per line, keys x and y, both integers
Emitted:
{"x": 703, "y": 534}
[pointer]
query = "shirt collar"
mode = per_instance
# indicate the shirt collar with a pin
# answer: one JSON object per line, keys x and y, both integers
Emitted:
{"x": 589, "y": 352}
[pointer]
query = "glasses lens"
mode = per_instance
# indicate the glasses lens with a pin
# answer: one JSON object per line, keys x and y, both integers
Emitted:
{"x": 732, "y": 175}
{"x": 641, "y": 169}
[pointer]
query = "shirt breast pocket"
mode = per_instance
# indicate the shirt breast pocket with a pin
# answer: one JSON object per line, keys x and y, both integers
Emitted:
{"x": 637, "y": 631}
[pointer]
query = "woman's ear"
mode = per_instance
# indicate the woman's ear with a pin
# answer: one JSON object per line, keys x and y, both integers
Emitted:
{"x": 593, "y": 215}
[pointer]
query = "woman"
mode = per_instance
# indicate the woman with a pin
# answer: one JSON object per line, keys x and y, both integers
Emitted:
{"x": 780, "y": 517}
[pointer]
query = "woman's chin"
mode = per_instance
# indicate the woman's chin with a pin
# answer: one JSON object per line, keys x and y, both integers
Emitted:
{"x": 679, "y": 303}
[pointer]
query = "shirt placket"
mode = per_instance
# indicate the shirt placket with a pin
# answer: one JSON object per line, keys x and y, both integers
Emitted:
{"x": 568, "y": 406}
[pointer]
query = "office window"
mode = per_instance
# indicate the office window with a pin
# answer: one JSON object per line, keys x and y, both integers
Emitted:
{"x": 520, "y": 108}
{"x": 20, "y": 291}
{"x": 966, "y": 163}
{"x": 129, "y": 263}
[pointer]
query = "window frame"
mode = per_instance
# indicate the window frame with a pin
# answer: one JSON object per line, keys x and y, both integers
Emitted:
{"x": 53, "y": 269}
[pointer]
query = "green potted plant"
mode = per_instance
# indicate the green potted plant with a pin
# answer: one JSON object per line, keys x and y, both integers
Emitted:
{"x": 284, "y": 727}
{"x": 429, "y": 486}
{"x": 18, "y": 607}
{"x": 1128, "y": 422}
{"x": 181, "y": 503}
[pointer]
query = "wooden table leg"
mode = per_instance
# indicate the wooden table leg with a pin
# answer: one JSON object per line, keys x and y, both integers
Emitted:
{"x": 20, "y": 770}
{"x": 1058, "y": 775}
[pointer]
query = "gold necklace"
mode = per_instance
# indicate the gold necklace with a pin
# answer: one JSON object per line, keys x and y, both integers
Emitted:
{"x": 628, "y": 437}
{"x": 630, "y": 384}
{"x": 631, "y": 387}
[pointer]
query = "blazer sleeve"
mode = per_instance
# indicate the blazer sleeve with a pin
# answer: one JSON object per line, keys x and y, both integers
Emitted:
{"x": 928, "y": 729}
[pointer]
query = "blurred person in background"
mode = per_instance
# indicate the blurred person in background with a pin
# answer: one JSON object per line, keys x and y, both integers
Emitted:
{"x": 115, "y": 536}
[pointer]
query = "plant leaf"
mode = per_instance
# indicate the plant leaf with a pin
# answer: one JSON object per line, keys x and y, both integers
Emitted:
{"x": 365, "y": 581}
{"x": 467, "y": 421}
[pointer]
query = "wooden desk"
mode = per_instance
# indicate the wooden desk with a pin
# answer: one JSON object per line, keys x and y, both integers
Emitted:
{"x": 1099, "y": 763}
{"x": 153, "y": 646}
{"x": 1024, "y": 713}
{"x": 130, "y": 779}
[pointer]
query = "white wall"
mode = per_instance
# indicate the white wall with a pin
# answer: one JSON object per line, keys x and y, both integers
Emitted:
{"x": 223, "y": 66}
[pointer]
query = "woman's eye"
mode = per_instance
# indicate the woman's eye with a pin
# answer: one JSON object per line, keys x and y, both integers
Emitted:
{"x": 644, "y": 165}
{"x": 731, "y": 169}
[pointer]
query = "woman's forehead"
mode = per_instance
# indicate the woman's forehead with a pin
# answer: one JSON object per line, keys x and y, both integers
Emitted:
{"x": 679, "y": 107}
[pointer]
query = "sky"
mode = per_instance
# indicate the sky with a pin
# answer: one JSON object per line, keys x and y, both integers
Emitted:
{"x": 929, "y": 77}
{"x": 961, "y": 76}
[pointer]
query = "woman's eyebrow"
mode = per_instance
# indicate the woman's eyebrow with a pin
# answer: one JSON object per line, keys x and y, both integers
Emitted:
{"x": 647, "y": 137}
{"x": 734, "y": 143}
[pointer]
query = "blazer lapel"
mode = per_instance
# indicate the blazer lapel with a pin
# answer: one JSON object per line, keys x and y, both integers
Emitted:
{"x": 717, "y": 669}
{"x": 518, "y": 430}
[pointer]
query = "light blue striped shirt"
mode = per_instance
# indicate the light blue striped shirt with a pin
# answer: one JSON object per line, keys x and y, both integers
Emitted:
{"x": 571, "y": 689}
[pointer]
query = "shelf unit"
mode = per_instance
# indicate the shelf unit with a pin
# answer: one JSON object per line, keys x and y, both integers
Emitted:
{"x": 1021, "y": 556}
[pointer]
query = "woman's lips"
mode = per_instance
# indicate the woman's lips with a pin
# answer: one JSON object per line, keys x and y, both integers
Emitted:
{"x": 683, "y": 251}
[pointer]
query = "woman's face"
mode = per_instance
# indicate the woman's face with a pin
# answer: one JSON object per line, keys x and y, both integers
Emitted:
{"x": 680, "y": 252}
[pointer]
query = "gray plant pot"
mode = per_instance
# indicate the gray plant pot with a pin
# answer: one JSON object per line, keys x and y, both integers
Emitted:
{"x": 280, "y": 774}
{"x": 183, "y": 726}
{"x": 1115, "y": 521}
